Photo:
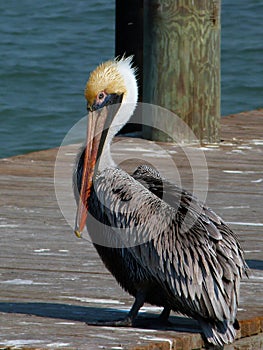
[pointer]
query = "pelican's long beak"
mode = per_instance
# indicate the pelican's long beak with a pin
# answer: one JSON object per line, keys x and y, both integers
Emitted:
{"x": 96, "y": 134}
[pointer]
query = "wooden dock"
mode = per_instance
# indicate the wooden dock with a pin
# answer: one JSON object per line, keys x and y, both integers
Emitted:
{"x": 51, "y": 282}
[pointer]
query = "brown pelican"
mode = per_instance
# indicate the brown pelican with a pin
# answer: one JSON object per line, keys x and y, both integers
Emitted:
{"x": 195, "y": 271}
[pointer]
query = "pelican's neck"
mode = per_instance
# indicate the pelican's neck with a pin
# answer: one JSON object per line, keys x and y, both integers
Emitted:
{"x": 124, "y": 113}
{"x": 126, "y": 110}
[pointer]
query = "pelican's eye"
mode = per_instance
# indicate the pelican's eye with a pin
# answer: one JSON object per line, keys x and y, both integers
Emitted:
{"x": 103, "y": 99}
{"x": 101, "y": 95}
{"x": 100, "y": 100}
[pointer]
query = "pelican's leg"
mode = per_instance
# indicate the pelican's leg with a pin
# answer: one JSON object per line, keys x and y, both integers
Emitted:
{"x": 138, "y": 303}
{"x": 128, "y": 320}
{"x": 163, "y": 318}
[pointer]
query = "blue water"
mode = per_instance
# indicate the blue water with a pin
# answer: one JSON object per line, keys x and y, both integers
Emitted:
{"x": 48, "y": 49}
{"x": 241, "y": 56}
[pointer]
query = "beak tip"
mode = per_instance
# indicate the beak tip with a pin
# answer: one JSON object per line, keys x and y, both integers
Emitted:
{"x": 78, "y": 233}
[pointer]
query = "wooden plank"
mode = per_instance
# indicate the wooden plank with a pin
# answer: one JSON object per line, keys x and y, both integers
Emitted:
{"x": 51, "y": 282}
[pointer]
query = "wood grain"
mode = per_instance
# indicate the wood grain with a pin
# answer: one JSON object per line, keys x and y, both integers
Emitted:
{"x": 182, "y": 62}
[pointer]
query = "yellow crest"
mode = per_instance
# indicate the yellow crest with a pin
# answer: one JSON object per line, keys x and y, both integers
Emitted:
{"x": 106, "y": 77}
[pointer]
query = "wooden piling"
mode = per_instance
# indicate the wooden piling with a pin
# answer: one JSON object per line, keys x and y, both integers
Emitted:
{"x": 182, "y": 63}
{"x": 129, "y": 41}
{"x": 129, "y": 32}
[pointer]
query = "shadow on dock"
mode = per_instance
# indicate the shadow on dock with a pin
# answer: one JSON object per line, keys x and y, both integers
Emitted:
{"x": 89, "y": 314}
{"x": 255, "y": 264}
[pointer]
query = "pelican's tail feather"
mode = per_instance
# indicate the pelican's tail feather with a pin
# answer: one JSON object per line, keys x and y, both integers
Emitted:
{"x": 220, "y": 333}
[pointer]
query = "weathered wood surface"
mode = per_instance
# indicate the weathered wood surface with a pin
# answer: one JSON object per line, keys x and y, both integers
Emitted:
{"x": 182, "y": 63}
{"x": 51, "y": 282}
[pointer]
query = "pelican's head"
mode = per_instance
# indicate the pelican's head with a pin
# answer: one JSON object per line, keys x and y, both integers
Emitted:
{"x": 111, "y": 94}
{"x": 105, "y": 86}
{"x": 111, "y": 82}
